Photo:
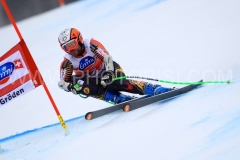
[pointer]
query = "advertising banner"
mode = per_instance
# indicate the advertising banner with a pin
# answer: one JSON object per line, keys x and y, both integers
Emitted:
{"x": 16, "y": 75}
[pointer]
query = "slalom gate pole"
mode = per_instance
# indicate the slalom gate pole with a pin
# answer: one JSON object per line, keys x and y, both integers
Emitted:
{"x": 64, "y": 126}
{"x": 172, "y": 82}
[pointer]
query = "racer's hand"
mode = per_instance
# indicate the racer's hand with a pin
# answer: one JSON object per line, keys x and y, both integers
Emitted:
{"x": 107, "y": 78}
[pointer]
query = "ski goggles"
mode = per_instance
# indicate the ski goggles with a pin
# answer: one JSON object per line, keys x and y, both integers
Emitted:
{"x": 70, "y": 45}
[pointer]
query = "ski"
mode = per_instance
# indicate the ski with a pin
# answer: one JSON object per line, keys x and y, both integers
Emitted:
{"x": 104, "y": 111}
{"x": 128, "y": 106}
{"x": 139, "y": 102}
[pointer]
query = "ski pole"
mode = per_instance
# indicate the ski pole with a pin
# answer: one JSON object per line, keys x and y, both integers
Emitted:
{"x": 172, "y": 82}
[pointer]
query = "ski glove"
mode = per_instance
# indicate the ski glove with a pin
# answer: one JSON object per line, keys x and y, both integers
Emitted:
{"x": 107, "y": 78}
{"x": 69, "y": 87}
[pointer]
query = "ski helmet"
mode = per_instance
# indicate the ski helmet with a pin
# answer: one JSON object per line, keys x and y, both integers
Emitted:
{"x": 69, "y": 39}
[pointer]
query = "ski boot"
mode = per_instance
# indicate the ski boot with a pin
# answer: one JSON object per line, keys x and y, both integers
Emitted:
{"x": 116, "y": 97}
{"x": 150, "y": 89}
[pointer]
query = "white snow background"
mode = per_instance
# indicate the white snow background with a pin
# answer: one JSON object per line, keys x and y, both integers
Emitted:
{"x": 178, "y": 40}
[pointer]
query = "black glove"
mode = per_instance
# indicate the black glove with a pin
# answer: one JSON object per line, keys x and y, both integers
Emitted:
{"x": 107, "y": 78}
{"x": 75, "y": 89}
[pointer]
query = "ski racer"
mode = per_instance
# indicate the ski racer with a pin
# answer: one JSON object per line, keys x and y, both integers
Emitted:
{"x": 95, "y": 71}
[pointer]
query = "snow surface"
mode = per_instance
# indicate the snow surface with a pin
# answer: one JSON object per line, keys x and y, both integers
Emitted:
{"x": 178, "y": 40}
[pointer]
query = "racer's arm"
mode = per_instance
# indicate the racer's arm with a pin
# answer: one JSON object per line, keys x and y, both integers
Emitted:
{"x": 102, "y": 53}
{"x": 66, "y": 70}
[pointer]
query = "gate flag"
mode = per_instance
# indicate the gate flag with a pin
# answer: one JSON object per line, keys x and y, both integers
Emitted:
{"x": 18, "y": 73}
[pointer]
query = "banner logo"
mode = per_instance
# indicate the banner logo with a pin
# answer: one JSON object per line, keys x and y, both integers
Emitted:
{"x": 7, "y": 69}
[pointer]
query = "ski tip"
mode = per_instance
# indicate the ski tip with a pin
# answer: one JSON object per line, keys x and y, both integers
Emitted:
{"x": 126, "y": 108}
{"x": 88, "y": 116}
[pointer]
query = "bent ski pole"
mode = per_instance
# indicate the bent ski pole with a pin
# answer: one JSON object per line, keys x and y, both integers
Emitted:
{"x": 172, "y": 82}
